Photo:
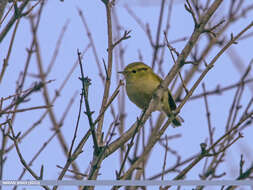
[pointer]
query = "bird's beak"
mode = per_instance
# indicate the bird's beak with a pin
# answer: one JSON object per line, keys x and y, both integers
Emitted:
{"x": 122, "y": 72}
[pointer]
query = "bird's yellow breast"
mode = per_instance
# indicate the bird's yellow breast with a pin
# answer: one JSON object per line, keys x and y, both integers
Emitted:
{"x": 140, "y": 91}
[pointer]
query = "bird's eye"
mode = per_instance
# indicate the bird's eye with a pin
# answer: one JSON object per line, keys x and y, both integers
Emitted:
{"x": 134, "y": 71}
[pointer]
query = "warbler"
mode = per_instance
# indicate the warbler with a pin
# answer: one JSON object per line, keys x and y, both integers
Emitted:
{"x": 141, "y": 83}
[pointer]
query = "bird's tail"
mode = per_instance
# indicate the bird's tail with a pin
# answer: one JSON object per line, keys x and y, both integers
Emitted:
{"x": 177, "y": 121}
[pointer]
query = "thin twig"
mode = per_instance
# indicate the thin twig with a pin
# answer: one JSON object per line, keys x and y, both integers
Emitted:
{"x": 173, "y": 168}
{"x": 158, "y": 31}
{"x": 26, "y": 109}
{"x": 57, "y": 47}
{"x": 20, "y": 99}
{"x": 129, "y": 146}
{"x": 36, "y": 155}
{"x": 114, "y": 95}
{"x": 75, "y": 154}
{"x": 202, "y": 155}
{"x": 211, "y": 64}
{"x": 210, "y": 129}
{"x": 165, "y": 157}
{"x": 57, "y": 93}
{"x": 46, "y": 97}
{"x": 97, "y": 162}
{"x": 124, "y": 37}
{"x": 109, "y": 71}
{"x": 93, "y": 47}
{"x": 6, "y": 60}
{"x": 77, "y": 124}
{"x": 188, "y": 7}
{"x": 13, "y": 20}
{"x": 14, "y": 138}
{"x": 85, "y": 85}
{"x": 3, "y": 4}
{"x": 218, "y": 90}
{"x": 72, "y": 171}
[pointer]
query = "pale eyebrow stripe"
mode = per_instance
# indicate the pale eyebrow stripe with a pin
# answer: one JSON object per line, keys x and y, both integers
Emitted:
{"x": 142, "y": 69}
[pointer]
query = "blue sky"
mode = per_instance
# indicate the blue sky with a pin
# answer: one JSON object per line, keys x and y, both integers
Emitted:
{"x": 194, "y": 130}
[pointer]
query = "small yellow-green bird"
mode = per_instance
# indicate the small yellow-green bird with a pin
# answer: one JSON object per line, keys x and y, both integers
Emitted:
{"x": 141, "y": 83}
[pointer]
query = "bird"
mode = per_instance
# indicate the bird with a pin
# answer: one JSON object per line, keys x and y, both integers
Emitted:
{"x": 141, "y": 83}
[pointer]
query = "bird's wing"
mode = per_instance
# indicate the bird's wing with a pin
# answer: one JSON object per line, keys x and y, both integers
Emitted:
{"x": 172, "y": 103}
{"x": 171, "y": 100}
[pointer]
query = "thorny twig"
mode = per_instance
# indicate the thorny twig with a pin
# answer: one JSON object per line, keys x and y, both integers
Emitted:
{"x": 85, "y": 85}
